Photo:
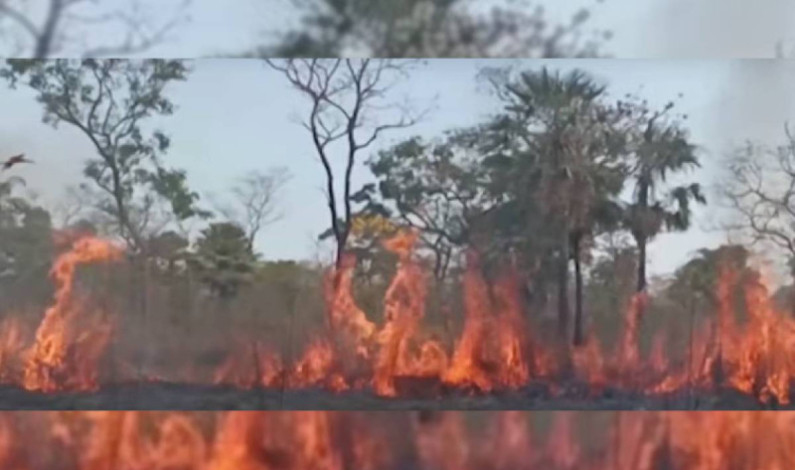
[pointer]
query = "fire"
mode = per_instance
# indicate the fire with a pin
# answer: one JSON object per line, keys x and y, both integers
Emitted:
{"x": 495, "y": 351}
{"x": 253, "y": 440}
{"x": 68, "y": 343}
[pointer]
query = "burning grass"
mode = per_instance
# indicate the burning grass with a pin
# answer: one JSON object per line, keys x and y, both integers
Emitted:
{"x": 496, "y": 359}
{"x": 109, "y": 440}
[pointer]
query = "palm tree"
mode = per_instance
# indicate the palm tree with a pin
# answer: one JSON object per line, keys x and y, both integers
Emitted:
{"x": 556, "y": 119}
{"x": 598, "y": 176}
{"x": 664, "y": 149}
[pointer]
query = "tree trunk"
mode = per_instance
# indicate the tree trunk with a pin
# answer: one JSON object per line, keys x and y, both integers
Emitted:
{"x": 563, "y": 291}
{"x": 578, "y": 330}
{"x": 342, "y": 244}
{"x": 641, "y": 241}
{"x": 641, "y": 232}
{"x": 44, "y": 42}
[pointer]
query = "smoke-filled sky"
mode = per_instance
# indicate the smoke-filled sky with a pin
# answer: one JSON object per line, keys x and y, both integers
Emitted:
{"x": 235, "y": 115}
{"x": 642, "y": 29}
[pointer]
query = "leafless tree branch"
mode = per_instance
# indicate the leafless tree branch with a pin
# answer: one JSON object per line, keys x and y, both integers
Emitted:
{"x": 349, "y": 104}
{"x": 75, "y": 25}
{"x": 256, "y": 198}
{"x": 760, "y": 192}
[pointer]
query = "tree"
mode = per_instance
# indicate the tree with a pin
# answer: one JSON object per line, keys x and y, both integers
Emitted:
{"x": 109, "y": 101}
{"x": 565, "y": 160}
{"x": 375, "y": 263}
{"x": 695, "y": 290}
{"x": 432, "y": 28}
{"x": 25, "y": 238}
{"x": 611, "y": 283}
{"x": 436, "y": 187}
{"x": 167, "y": 248}
{"x": 663, "y": 148}
{"x": 343, "y": 95}
{"x": 699, "y": 277}
{"x": 66, "y": 26}
{"x": 256, "y": 196}
{"x": 759, "y": 188}
{"x": 222, "y": 259}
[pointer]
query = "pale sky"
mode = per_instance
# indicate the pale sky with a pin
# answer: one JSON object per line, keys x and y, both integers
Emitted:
{"x": 642, "y": 28}
{"x": 236, "y": 115}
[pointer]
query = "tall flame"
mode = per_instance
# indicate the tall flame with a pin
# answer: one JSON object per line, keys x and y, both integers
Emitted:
{"x": 495, "y": 350}
{"x": 62, "y": 355}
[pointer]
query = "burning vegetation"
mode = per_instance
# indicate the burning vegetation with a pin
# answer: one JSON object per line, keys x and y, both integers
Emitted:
{"x": 460, "y": 307}
{"x": 496, "y": 354}
{"x": 251, "y": 440}
{"x": 71, "y": 338}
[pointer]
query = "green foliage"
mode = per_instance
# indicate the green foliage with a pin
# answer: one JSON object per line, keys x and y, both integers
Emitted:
{"x": 436, "y": 187}
{"x": 172, "y": 186}
{"x": 25, "y": 241}
{"x": 166, "y": 249}
{"x": 223, "y": 259}
{"x": 697, "y": 281}
{"x": 541, "y": 181}
{"x": 661, "y": 147}
{"x": 432, "y": 186}
{"x": 611, "y": 283}
{"x": 109, "y": 101}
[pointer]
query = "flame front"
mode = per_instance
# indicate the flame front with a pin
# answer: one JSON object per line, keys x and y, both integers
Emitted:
{"x": 251, "y": 440}
{"x": 496, "y": 349}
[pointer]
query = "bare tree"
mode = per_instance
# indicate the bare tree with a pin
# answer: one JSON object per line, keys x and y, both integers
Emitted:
{"x": 760, "y": 192}
{"x": 256, "y": 198}
{"x": 75, "y": 204}
{"x": 44, "y": 28}
{"x": 345, "y": 96}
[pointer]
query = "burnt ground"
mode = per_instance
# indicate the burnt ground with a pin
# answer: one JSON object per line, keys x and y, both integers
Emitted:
{"x": 172, "y": 396}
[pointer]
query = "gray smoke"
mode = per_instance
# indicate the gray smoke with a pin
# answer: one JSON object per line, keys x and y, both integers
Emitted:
{"x": 720, "y": 28}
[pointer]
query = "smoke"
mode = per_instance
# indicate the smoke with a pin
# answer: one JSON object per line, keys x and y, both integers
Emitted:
{"x": 755, "y": 102}
{"x": 719, "y": 28}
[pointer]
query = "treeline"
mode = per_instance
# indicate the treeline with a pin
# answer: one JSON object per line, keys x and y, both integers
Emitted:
{"x": 567, "y": 185}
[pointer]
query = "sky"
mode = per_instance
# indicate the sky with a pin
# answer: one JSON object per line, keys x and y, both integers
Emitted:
{"x": 235, "y": 116}
{"x": 642, "y": 29}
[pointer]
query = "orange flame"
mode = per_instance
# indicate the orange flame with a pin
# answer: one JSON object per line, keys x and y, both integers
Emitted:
{"x": 67, "y": 345}
{"x": 496, "y": 350}
{"x": 250, "y": 440}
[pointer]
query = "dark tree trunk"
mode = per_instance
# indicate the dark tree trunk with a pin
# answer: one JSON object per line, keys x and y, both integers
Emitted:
{"x": 578, "y": 320}
{"x": 563, "y": 291}
{"x": 641, "y": 241}
{"x": 641, "y": 232}
{"x": 342, "y": 245}
{"x": 44, "y": 42}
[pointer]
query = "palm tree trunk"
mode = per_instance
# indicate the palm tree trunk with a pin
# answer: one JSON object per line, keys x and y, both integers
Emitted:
{"x": 578, "y": 331}
{"x": 641, "y": 233}
{"x": 641, "y": 241}
{"x": 563, "y": 291}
